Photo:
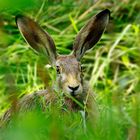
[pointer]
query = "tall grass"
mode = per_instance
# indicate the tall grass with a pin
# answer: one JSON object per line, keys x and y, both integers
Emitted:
{"x": 112, "y": 69}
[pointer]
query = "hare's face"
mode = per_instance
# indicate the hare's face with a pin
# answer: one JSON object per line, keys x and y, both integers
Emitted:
{"x": 69, "y": 75}
{"x": 68, "y": 67}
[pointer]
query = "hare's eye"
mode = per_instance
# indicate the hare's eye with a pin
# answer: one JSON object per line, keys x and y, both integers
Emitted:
{"x": 58, "y": 69}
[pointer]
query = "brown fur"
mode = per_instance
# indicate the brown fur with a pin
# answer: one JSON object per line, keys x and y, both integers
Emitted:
{"x": 77, "y": 95}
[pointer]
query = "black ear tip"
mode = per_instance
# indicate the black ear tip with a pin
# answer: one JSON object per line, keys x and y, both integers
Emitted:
{"x": 19, "y": 16}
{"x": 105, "y": 12}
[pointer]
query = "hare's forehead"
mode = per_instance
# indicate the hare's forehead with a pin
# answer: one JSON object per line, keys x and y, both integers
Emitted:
{"x": 67, "y": 61}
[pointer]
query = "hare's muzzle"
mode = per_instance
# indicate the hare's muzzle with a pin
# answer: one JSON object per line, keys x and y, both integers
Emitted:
{"x": 73, "y": 90}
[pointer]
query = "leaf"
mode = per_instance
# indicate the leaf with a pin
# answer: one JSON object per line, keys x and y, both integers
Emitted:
{"x": 125, "y": 60}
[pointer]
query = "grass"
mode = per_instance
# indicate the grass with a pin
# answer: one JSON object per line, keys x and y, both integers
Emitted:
{"x": 112, "y": 68}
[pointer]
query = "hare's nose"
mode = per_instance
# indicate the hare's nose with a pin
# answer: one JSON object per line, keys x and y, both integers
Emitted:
{"x": 73, "y": 88}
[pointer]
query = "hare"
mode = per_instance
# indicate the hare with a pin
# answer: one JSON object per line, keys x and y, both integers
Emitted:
{"x": 68, "y": 67}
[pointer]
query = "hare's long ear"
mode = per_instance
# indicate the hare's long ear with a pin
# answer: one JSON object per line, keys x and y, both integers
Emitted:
{"x": 38, "y": 39}
{"x": 90, "y": 34}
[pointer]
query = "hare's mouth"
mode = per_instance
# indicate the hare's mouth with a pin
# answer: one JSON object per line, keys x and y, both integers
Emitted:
{"x": 73, "y": 93}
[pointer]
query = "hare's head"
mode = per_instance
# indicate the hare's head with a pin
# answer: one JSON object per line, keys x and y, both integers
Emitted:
{"x": 68, "y": 66}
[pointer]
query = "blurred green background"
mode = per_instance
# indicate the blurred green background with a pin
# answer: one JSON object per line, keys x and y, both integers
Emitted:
{"x": 112, "y": 68}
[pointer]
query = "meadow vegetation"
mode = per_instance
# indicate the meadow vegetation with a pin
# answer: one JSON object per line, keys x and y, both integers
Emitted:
{"x": 112, "y": 69}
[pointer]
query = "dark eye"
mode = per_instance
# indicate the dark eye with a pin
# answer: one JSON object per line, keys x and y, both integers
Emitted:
{"x": 58, "y": 69}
